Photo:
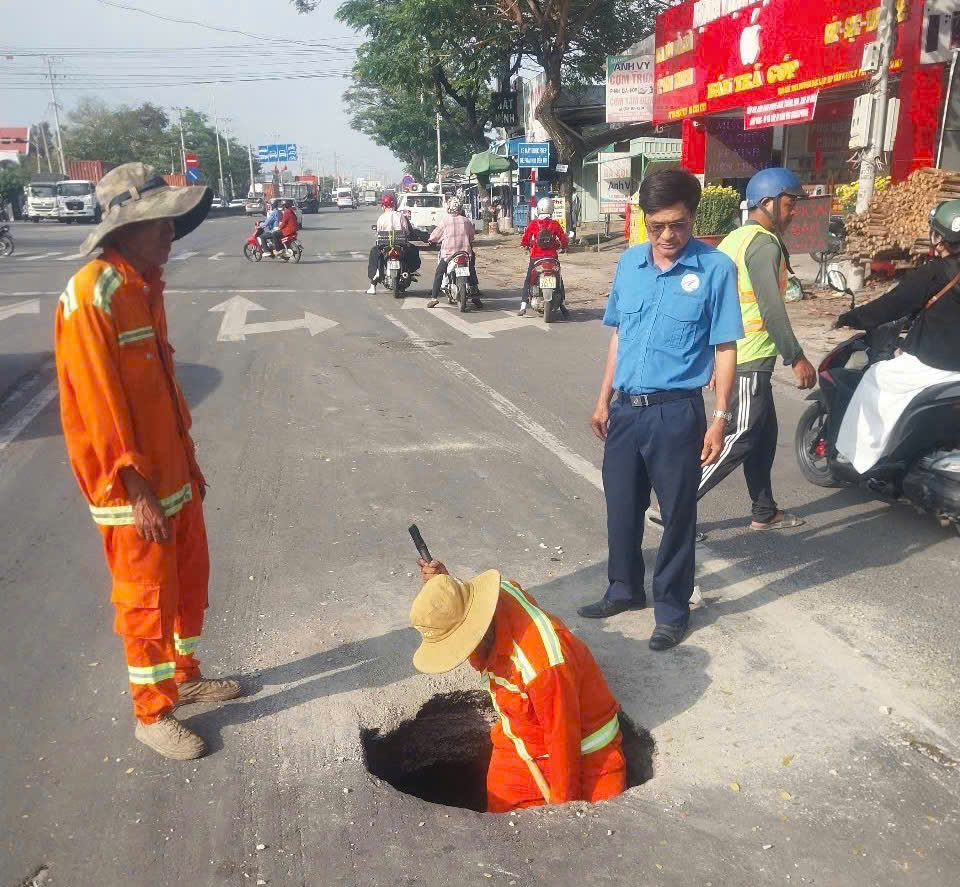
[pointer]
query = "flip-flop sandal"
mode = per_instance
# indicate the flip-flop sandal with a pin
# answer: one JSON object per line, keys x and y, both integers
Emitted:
{"x": 789, "y": 522}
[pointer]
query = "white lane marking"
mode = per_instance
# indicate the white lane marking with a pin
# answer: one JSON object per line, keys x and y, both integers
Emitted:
{"x": 482, "y": 329}
{"x": 70, "y": 258}
{"x": 234, "y": 327}
{"x": 574, "y": 461}
{"x": 22, "y": 419}
{"x": 29, "y": 293}
{"x": 38, "y": 256}
{"x": 324, "y": 292}
{"x": 445, "y": 446}
{"x": 216, "y": 258}
{"x": 182, "y": 257}
{"x": 226, "y": 292}
{"x": 32, "y": 306}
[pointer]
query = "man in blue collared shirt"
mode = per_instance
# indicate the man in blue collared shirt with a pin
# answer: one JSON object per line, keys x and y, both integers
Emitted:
{"x": 675, "y": 311}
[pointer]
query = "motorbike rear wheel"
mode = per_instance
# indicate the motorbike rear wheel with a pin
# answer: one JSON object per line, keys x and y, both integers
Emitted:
{"x": 394, "y": 286}
{"x": 462, "y": 296}
{"x": 810, "y": 430}
{"x": 251, "y": 253}
{"x": 6, "y": 245}
{"x": 297, "y": 253}
{"x": 548, "y": 309}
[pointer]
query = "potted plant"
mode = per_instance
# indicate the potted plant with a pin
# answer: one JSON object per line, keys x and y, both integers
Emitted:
{"x": 718, "y": 213}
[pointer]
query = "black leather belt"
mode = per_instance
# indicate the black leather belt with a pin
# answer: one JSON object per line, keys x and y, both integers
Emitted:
{"x": 649, "y": 400}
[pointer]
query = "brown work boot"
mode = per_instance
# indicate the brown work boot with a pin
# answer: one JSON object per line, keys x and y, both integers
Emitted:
{"x": 171, "y": 739}
{"x": 208, "y": 690}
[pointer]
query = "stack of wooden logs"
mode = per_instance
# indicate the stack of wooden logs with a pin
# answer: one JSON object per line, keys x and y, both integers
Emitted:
{"x": 896, "y": 225}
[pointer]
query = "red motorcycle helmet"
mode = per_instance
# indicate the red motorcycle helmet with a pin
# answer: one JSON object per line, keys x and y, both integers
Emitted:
{"x": 387, "y": 202}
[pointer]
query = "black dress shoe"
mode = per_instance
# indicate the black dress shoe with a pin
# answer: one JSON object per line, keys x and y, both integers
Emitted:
{"x": 666, "y": 636}
{"x": 604, "y": 608}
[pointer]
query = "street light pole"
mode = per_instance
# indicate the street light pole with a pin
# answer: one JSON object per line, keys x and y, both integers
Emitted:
{"x": 216, "y": 129}
{"x": 250, "y": 190}
{"x": 439, "y": 161}
{"x": 183, "y": 149}
{"x": 879, "y": 87}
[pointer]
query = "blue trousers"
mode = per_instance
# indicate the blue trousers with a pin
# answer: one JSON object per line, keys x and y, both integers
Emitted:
{"x": 655, "y": 447}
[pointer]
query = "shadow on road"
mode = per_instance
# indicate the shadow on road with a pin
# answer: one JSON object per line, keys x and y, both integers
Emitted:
{"x": 356, "y": 665}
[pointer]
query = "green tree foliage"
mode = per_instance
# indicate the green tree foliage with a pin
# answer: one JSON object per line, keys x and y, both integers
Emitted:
{"x": 94, "y": 130}
{"x": 12, "y": 180}
{"x": 398, "y": 120}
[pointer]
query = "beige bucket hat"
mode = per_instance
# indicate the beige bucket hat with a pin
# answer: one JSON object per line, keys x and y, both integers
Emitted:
{"x": 135, "y": 192}
{"x": 452, "y": 617}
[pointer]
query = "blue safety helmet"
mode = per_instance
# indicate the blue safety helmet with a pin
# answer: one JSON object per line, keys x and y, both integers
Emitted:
{"x": 771, "y": 183}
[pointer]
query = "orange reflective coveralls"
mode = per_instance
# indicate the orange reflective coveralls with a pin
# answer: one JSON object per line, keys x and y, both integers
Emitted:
{"x": 121, "y": 407}
{"x": 555, "y": 710}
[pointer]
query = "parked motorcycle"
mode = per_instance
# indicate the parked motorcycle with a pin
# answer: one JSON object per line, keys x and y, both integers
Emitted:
{"x": 456, "y": 281}
{"x": 6, "y": 241}
{"x": 255, "y": 248}
{"x": 546, "y": 288}
{"x": 922, "y": 465}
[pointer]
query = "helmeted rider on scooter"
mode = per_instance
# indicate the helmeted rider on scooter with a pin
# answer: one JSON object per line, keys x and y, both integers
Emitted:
{"x": 391, "y": 220}
{"x": 455, "y": 235}
{"x": 541, "y": 238}
{"x": 930, "y": 354}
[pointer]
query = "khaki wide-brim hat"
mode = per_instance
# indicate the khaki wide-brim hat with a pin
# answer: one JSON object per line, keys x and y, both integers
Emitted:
{"x": 135, "y": 192}
{"x": 452, "y": 617}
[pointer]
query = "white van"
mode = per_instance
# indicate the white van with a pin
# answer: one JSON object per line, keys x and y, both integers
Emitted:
{"x": 77, "y": 199}
{"x": 344, "y": 198}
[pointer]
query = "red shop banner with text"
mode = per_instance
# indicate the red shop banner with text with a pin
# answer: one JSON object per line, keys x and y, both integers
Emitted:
{"x": 718, "y": 55}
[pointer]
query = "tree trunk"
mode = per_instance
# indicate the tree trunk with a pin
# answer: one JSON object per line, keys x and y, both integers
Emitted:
{"x": 564, "y": 141}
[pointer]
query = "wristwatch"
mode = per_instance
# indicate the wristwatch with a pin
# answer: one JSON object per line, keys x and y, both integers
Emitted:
{"x": 726, "y": 415}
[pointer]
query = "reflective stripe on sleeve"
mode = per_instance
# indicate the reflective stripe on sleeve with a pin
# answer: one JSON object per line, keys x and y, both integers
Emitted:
{"x": 143, "y": 332}
{"x": 519, "y": 659}
{"x": 151, "y": 674}
{"x": 503, "y": 682}
{"x": 68, "y": 298}
{"x": 548, "y": 635}
{"x": 186, "y": 646}
{"x": 107, "y": 284}
{"x": 600, "y": 738}
{"x": 122, "y": 515}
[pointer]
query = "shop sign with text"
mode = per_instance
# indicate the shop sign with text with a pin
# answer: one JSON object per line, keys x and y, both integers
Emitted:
{"x": 718, "y": 55}
{"x": 781, "y": 112}
{"x": 629, "y": 88}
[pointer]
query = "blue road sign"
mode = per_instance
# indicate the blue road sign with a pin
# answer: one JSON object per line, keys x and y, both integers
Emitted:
{"x": 533, "y": 154}
{"x": 280, "y": 153}
{"x": 193, "y": 175}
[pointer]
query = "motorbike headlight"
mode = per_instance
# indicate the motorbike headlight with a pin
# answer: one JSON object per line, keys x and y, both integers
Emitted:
{"x": 950, "y": 462}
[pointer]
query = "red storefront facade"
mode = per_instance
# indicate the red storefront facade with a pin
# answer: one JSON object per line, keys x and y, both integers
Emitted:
{"x": 785, "y": 62}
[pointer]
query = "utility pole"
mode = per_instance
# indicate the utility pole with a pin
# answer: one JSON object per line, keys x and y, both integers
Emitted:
{"x": 250, "y": 191}
{"x": 229, "y": 164}
{"x": 336, "y": 171}
{"x": 56, "y": 117}
{"x": 46, "y": 149}
{"x": 183, "y": 149}
{"x": 439, "y": 184}
{"x": 216, "y": 130}
{"x": 879, "y": 89}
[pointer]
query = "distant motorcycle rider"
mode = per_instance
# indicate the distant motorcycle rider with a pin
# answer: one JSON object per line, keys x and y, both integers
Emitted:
{"x": 541, "y": 238}
{"x": 455, "y": 234}
{"x": 271, "y": 237}
{"x": 391, "y": 220}
{"x": 288, "y": 224}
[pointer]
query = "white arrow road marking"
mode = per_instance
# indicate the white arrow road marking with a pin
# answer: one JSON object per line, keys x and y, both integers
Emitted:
{"x": 32, "y": 306}
{"x": 216, "y": 258}
{"x": 74, "y": 256}
{"x": 180, "y": 257}
{"x": 38, "y": 256}
{"x": 482, "y": 329}
{"x": 235, "y": 328}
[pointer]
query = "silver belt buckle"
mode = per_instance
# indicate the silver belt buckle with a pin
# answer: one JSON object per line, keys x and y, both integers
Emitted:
{"x": 639, "y": 400}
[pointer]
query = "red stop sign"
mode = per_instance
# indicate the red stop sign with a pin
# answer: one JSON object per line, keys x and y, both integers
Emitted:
{"x": 192, "y": 160}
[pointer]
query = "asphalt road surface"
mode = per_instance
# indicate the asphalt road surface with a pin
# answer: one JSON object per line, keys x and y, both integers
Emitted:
{"x": 806, "y": 728}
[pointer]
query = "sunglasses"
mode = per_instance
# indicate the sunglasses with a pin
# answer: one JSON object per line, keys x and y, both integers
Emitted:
{"x": 655, "y": 229}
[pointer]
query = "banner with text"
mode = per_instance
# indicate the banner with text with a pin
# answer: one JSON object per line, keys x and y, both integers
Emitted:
{"x": 629, "y": 88}
{"x": 781, "y": 112}
{"x": 615, "y": 181}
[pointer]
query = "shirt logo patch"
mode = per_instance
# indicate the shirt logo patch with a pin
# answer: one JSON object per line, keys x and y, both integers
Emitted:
{"x": 955, "y": 224}
{"x": 689, "y": 283}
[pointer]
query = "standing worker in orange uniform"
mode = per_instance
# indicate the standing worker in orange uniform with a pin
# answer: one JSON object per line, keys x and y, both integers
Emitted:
{"x": 126, "y": 425}
{"x": 558, "y": 738}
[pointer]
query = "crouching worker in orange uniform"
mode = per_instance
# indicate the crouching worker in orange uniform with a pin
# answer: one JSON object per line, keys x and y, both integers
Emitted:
{"x": 558, "y": 738}
{"x": 126, "y": 425}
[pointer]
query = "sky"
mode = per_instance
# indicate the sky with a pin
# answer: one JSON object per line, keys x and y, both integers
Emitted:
{"x": 308, "y": 111}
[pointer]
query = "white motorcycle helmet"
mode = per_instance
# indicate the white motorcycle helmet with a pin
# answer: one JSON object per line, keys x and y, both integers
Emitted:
{"x": 454, "y": 205}
{"x": 545, "y": 208}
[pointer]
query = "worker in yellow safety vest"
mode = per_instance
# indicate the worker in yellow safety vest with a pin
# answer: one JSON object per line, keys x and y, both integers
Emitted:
{"x": 764, "y": 277}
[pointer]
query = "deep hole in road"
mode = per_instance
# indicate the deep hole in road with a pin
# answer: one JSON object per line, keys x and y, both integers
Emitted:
{"x": 441, "y": 755}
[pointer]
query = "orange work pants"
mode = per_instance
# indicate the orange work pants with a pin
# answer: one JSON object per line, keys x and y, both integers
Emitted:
{"x": 603, "y": 775}
{"x": 159, "y": 595}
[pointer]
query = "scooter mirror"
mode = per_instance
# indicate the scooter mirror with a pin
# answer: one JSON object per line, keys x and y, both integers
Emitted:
{"x": 837, "y": 280}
